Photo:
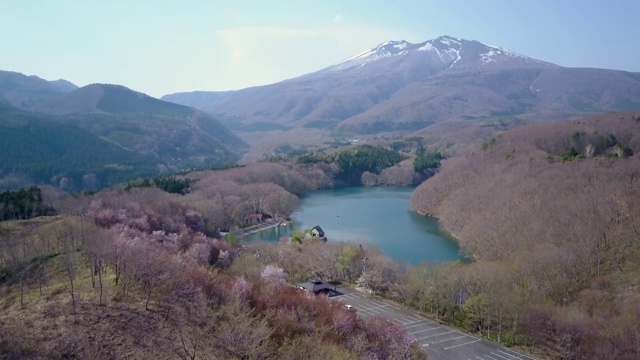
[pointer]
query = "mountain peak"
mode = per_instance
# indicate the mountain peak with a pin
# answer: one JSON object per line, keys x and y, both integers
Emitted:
{"x": 110, "y": 99}
{"x": 444, "y": 51}
{"x": 446, "y": 39}
{"x": 396, "y": 44}
{"x": 386, "y": 49}
{"x": 23, "y": 91}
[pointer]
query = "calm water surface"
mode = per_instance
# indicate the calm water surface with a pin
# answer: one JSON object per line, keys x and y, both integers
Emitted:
{"x": 371, "y": 215}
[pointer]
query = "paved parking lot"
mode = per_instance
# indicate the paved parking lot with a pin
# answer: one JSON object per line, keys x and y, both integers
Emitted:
{"x": 441, "y": 342}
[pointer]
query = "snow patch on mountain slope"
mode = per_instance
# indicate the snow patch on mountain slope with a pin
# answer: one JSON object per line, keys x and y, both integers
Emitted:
{"x": 426, "y": 47}
{"x": 386, "y": 49}
{"x": 496, "y": 53}
{"x": 449, "y": 51}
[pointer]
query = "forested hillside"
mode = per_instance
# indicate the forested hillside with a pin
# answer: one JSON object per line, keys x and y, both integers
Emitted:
{"x": 549, "y": 214}
{"x": 375, "y": 165}
{"x": 39, "y": 149}
{"x": 355, "y": 161}
{"x": 138, "y": 274}
{"x": 101, "y": 135}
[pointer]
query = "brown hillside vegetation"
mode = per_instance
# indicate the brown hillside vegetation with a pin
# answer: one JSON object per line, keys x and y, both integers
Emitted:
{"x": 553, "y": 211}
{"x": 145, "y": 274}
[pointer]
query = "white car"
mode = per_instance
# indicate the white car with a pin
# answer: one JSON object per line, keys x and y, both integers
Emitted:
{"x": 350, "y": 308}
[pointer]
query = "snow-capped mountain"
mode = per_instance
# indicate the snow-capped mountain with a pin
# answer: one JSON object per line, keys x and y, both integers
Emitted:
{"x": 443, "y": 87}
{"x": 446, "y": 50}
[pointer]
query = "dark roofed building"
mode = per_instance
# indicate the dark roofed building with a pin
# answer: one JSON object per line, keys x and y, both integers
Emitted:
{"x": 317, "y": 231}
{"x": 317, "y": 286}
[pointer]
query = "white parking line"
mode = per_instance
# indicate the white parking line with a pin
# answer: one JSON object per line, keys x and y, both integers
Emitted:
{"x": 426, "y": 337}
{"x": 455, "y": 338}
{"x": 505, "y": 353}
{"x": 515, "y": 354}
{"x": 419, "y": 323}
{"x": 414, "y": 320}
{"x": 467, "y": 343}
{"x": 487, "y": 356}
{"x": 373, "y": 310}
{"x": 434, "y": 328}
{"x": 500, "y": 356}
{"x": 510, "y": 356}
{"x": 416, "y": 324}
{"x": 372, "y": 306}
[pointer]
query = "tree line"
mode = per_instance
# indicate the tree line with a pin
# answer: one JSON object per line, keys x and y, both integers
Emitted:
{"x": 352, "y": 163}
{"x": 23, "y": 204}
{"x": 426, "y": 162}
{"x": 170, "y": 184}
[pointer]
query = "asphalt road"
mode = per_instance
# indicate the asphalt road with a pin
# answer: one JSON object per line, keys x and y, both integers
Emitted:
{"x": 441, "y": 342}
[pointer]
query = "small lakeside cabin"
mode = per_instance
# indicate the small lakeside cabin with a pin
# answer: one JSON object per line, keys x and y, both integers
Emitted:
{"x": 317, "y": 231}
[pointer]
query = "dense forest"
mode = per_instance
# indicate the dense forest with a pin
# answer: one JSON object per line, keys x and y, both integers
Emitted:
{"x": 355, "y": 161}
{"x": 41, "y": 150}
{"x": 404, "y": 163}
{"x": 23, "y": 204}
{"x": 170, "y": 184}
{"x": 425, "y": 163}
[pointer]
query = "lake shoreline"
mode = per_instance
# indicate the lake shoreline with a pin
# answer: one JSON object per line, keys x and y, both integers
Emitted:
{"x": 380, "y": 216}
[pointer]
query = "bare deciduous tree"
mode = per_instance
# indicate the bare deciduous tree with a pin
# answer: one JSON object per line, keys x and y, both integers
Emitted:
{"x": 68, "y": 237}
{"x": 239, "y": 334}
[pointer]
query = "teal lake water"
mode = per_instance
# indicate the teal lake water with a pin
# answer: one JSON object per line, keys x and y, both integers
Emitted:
{"x": 371, "y": 215}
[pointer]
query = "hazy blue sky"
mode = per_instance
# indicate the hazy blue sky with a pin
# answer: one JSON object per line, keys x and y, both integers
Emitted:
{"x": 160, "y": 47}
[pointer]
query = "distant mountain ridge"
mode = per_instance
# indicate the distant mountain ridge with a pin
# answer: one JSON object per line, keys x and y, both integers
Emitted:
{"x": 106, "y": 98}
{"x": 22, "y": 91}
{"x": 453, "y": 92}
{"x": 101, "y": 134}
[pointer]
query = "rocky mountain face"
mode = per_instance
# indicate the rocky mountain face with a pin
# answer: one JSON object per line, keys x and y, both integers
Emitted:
{"x": 453, "y": 92}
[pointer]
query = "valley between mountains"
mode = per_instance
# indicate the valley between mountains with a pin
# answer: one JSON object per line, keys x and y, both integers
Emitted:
{"x": 121, "y": 214}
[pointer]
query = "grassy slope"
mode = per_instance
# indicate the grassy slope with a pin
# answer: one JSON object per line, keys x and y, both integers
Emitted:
{"x": 118, "y": 329}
